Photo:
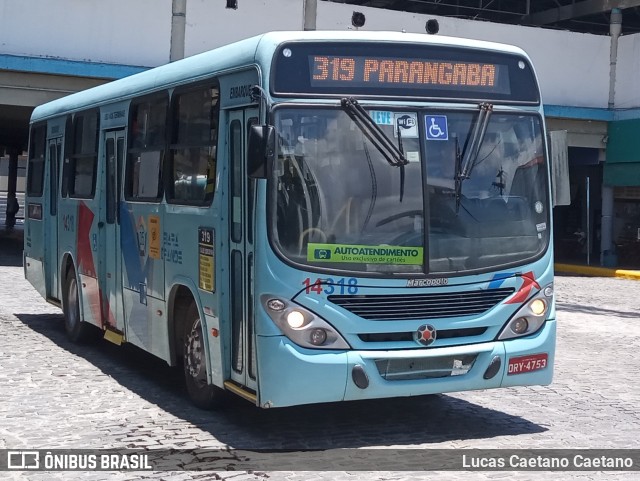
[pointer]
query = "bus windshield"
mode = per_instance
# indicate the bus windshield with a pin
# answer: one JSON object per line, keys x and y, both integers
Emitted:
{"x": 338, "y": 203}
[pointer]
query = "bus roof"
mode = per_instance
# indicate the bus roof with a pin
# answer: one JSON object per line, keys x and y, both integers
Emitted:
{"x": 255, "y": 50}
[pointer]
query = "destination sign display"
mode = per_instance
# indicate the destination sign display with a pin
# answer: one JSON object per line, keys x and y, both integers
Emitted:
{"x": 387, "y": 69}
{"x": 399, "y": 73}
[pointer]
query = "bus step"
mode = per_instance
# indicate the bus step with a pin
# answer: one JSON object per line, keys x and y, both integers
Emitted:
{"x": 113, "y": 336}
{"x": 241, "y": 391}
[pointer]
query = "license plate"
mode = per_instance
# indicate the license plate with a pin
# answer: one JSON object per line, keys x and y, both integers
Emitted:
{"x": 523, "y": 364}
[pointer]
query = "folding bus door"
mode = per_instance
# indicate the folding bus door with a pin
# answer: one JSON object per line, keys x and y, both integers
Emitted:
{"x": 52, "y": 260}
{"x": 241, "y": 255}
{"x": 110, "y": 265}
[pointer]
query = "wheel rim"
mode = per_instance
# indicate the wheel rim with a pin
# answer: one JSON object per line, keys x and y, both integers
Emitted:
{"x": 194, "y": 354}
{"x": 72, "y": 302}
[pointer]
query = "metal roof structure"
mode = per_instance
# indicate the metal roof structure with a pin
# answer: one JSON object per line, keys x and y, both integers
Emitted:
{"x": 586, "y": 16}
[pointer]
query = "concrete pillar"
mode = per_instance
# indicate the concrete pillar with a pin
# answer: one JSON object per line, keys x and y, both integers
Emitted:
{"x": 615, "y": 27}
{"x": 12, "y": 182}
{"x": 178, "y": 24}
{"x": 606, "y": 226}
{"x": 310, "y": 14}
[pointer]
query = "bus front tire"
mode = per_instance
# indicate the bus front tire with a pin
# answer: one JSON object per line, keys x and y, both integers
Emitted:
{"x": 77, "y": 330}
{"x": 202, "y": 394}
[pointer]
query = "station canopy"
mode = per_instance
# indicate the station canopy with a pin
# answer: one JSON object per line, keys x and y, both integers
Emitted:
{"x": 586, "y": 16}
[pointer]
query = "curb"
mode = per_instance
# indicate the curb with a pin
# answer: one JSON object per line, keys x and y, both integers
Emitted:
{"x": 597, "y": 271}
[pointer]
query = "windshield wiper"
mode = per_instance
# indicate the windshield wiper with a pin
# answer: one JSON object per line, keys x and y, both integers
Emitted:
{"x": 401, "y": 149}
{"x": 466, "y": 161}
{"x": 373, "y": 132}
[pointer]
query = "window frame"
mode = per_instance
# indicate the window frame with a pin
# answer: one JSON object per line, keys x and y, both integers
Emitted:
{"x": 173, "y": 145}
{"x": 75, "y": 156}
{"x": 161, "y": 146}
{"x": 67, "y": 149}
{"x": 39, "y": 162}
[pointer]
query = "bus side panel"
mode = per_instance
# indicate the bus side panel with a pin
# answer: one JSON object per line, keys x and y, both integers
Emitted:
{"x": 86, "y": 252}
{"x": 67, "y": 234}
{"x": 141, "y": 237}
{"x": 35, "y": 209}
{"x": 34, "y": 244}
{"x": 184, "y": 266}
{"x": 34, "y": 273}
{"x": 147, "y": 324}
{"x": 143, "y": 277}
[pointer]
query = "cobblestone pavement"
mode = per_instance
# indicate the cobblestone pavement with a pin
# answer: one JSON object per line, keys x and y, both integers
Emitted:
{"x": 55, "y": 394}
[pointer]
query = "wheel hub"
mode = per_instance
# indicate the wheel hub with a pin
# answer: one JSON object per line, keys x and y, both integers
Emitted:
{"x": 72, "y": 304}
{"x": 193, "y": 354}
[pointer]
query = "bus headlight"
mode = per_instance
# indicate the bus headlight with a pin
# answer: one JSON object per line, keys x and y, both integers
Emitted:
{"x": 295, "y": 319}
{"x": 302, "y": 326}
{"x": 530, "y": 317}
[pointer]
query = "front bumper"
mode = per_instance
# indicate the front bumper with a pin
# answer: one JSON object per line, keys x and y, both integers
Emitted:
{"x": 291, "y": 375}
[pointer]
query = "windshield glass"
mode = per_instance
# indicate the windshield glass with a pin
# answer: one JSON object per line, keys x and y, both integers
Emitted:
{"x": 337, "y": 202}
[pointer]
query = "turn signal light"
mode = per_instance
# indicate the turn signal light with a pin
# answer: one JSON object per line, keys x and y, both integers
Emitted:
{"x": 520, "y": 325}
{"x": 318, "y": 337}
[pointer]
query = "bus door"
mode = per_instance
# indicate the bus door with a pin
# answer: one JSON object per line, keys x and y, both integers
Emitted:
{"x": 241, "y": 255}
{"x": 54, "y": 154}
{"x": 109, "y": 256}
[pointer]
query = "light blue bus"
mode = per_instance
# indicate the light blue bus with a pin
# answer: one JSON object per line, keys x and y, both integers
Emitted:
{"x": 306, "y": 217}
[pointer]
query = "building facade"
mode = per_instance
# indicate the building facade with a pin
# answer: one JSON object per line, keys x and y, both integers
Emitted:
{"x": 587, "y": 81}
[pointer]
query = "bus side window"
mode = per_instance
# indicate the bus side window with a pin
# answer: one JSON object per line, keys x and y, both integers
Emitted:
{"x": 82, "y": 180}
{"x": 65, "y": 165}
{"x": 147, "y": 144}
{"x": 192, "y": 170}
{"x": 35, "y": 175}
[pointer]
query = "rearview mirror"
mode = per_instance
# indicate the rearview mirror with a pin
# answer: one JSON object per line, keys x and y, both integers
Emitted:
{"x": 260, "y": 150}
{"x": 560, "y": 190}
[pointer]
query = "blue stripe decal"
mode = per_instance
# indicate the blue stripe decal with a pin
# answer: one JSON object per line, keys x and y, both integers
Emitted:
{"x": 569, "y": 112}
{"x": 499, "y": 279}
{"x": 129, "y": 244}
{"x": 67, "y": 67}
{"x": 591, "y": 113}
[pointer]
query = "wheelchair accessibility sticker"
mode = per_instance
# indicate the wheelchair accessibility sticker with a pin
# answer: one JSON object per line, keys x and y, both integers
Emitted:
{"x": 436, "y": 127}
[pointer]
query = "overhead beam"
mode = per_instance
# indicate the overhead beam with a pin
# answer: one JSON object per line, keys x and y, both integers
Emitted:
{"x": 575, "y": 10}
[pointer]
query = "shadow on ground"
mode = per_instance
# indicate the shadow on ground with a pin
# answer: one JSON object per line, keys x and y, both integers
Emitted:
{"x": 11, "y": 243}
{"x": 356, "y": 424}
{"x": 594, "y": 310}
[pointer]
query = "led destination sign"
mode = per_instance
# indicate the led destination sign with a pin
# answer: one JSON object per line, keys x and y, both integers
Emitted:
{"x": 394, "y": 69}
{"x": 398, "y": 73}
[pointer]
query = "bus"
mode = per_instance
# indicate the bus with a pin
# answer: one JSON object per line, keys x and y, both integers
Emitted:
{"x": 306, "y": 217}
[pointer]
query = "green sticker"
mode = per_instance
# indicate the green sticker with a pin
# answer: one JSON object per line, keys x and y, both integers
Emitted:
{"x": 397, "y": 255}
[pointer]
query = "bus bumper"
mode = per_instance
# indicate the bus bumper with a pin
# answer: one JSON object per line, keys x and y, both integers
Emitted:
{"x": 292, "y": 375}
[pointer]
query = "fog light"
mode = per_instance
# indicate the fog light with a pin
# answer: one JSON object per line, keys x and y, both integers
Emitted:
{"x": 548, "y": 291}
{"x": 360, "y": 377}
{"x": 538, "y": 306}
{"x": 275, "y": 304}
{"x": 318, "y": 337}
{"x": 520, "y": 325}
{"x": 494, "y": 367}
{"x": 295, "y": 319}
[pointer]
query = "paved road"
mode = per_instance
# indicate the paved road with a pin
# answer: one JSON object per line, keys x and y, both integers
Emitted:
{"x": 58, "y": 395}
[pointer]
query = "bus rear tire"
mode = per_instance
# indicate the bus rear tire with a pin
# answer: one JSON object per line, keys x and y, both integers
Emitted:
{"x": 202, "y": 394}
{"x": 77, "y": 329}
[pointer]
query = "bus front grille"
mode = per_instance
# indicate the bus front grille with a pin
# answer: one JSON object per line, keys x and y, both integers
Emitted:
{"x": 408, "y": 336}
{"x": 424, "y": 368}
{"x": 390, "y": 307}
